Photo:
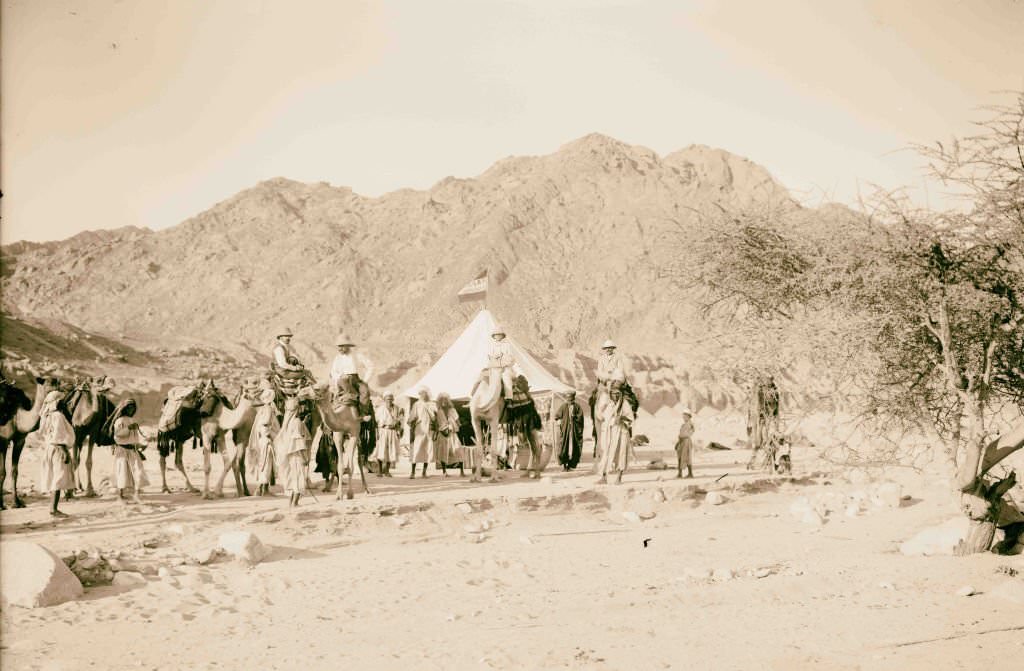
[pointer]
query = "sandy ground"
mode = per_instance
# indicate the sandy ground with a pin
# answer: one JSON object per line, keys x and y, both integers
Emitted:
{"x": 559, "y": 579}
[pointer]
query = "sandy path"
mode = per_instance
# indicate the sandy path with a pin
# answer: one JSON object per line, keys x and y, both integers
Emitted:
{"x": 396, "y": 581}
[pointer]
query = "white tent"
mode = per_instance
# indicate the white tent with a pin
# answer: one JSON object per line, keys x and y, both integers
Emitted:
{"x": 459, "y": 367}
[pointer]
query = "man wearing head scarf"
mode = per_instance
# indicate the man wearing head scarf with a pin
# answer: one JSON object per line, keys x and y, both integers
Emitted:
{"x": 129, "y": 472}
{"x": 58, "y": 438}
{"x": 617, "y": 418}
{"x": 389, "y": 434}
{"x": 569, "y": 439}
{"x": 292, "y": 448}
{"x": 446, "y": 435}
{"x": 260, "y": 451}
{"x": 421, "y": 427}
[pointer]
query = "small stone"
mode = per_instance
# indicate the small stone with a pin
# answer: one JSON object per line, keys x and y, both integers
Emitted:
{"x": 886, "y": 585}
{"x": 128, "y": 579}
{"x": 244, "y": 546}
{"x": 695, "y": 573}
{"x": 400, "y": 520}
{"x": 464, "y": 508}
{"x": 888, "y": 495}
{"x": 723, "y": 574}
{"x": 658, "y": 496}
{"x": 204, "y": 557}
{"x": 714, "y": 499}
{"x": 966, "y": 590}
{"x": 480, "y": 538}
{"x": 763, "y": 572}
{"x": 631, "y": 516}
{"x": 647, "y": 515}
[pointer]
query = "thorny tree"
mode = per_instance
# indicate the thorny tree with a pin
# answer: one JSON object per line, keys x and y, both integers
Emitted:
{"x": 931, "y": 302}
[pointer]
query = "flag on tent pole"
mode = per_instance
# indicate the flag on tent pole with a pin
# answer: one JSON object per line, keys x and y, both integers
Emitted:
{"x": 475, "y": 290}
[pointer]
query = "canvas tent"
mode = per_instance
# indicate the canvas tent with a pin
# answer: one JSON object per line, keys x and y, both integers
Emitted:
{"x": 459, "y": 367}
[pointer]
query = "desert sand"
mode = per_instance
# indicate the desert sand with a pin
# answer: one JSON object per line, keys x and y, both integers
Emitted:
{"x": 549, "y": 574}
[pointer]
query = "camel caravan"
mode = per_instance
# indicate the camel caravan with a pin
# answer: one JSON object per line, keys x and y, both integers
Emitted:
{"x": 485, "y": 406}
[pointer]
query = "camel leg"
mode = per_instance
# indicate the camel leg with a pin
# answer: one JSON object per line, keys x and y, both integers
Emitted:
{"x": 228, "y": 456}
{"x": 163, "y": 475}
{"x": 362, "y": 474}
{"x": 179, "y": 463}
{"x": 478, "y": 437}
{"x": 89, "y": 491}
{"x": 15, "y": 458}
{"x": 350, "y": 465}
{"x": 3, "y": 471}
{"x": 339, "y": 449}
{"x": 207, "y": 467}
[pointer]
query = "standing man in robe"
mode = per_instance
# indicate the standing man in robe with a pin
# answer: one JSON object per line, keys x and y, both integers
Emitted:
{"x": 389, "y": 434}
{"x": 421, "y": 429}
{"x": 617, "y": 431}
{"x": 569, "y": 421}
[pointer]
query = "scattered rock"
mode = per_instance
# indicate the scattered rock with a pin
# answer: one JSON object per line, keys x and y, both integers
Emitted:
{"x": 631, "y": 516}
{"x": 886, "y": 585}
{"x": 128, "y": 579}
{"x": 763, "y": 572}
{"x": 657, "y": 465}
{"x": 32, "y": 576}
{"x": 714, "y": 499}
{"x": 400, "y": 520}
{"x": 966, "y": 590}
{"x": 937, "y": 540}
{"x": 695, "y": 573}
{"x": 92, "y": 571}
{"x": 244, "y": 546}
{"x": 723, "y": 574}
{"x": 464, "y": 508}
{"x": 888, "y": 495}
{"x": 204, "y": 557}
{"x": 658, "y": 496}
{"x": 268, "y": 518}
{"x": 647, "y": 514}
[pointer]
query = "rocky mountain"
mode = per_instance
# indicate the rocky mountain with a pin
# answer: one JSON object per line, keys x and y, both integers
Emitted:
{"x": 574, "y": 244}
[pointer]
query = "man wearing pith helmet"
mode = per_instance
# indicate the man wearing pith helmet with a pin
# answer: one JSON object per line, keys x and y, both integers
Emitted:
{"x": 347, "y": 365}
{"x": 611, "y": 365}
{"x": 501, "y": 357}
{"x": 284, "y": 356}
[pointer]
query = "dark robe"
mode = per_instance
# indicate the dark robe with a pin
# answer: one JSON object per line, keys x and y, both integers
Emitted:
{"x": 569, "y": 421}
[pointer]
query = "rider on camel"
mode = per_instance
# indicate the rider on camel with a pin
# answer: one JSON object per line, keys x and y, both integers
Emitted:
{"x": 345, "y": 369}
{"x": 283, "y": 357}
{"x": 501, "y": 357}
{"x": 611, "y": 365}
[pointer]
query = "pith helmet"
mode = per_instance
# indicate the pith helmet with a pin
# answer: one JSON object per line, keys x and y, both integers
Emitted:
{"x": 497, "y": 330}
{"x": 344, "y": 339}
{"x": 285, "y": 332}
{"x": 608, "y": 344}
{"x": 389, "y": 394}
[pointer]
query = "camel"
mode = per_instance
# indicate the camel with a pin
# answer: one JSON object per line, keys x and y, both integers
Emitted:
{"x": 225, "y": 429}
{"x": 87, "y": 408}
{"x": 345, "y": 423}
{"x": 188, "y": 426}
{"x": 486, "y": 404}
{"x": 23, "y": 421}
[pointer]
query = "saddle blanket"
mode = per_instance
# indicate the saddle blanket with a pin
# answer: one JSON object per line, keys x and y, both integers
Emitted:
{"x": 169, "y": 415}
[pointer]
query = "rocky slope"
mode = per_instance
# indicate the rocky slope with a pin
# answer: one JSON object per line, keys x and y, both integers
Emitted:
{"x": 574, "y": 243}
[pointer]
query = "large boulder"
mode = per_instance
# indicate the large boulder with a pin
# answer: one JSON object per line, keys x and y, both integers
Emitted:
{"x": 32, "y": 576}
{"x": 244, "y": 546}
{"x": 938, "y": 540}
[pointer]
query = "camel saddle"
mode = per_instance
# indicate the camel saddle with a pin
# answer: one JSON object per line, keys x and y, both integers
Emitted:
{"x": 170, "y": 415}
{"x": 352, "y": 391}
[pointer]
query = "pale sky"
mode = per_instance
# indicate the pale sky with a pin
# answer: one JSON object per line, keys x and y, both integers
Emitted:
{"x": 146, "y": 112}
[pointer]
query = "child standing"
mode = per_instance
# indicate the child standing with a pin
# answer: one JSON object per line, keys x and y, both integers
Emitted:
{"x": 58, "y": 437}
{"x": 684, "y": 445}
